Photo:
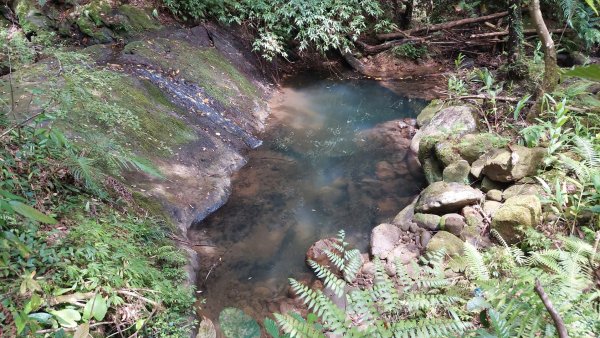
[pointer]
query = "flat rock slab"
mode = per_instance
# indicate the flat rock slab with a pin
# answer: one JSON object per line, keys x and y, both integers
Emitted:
{"x": 441, "y": 197}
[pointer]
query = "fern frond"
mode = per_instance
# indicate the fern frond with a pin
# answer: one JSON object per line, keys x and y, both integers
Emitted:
{"x": 353, "y": 264}
{"x": 321, "y": 305}
{"x": 498, "y": 324}
{"x": 579, "y": 168}
{"x": 431, "y": 328}
{"x": 330, "y": 280}
{"x": 422, "y": 301}
{"x": 585, "y": 148}
{"x": 384, "y": 291}
{"x": 475, "y": 265}
{"x": 131, "y": 162}
{"x": 579, "y": 246}
{"x": 297, "y": 328}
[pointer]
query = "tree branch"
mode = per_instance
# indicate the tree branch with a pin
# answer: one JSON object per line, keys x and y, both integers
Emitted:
{"x": 558, "y": 322}
{"x": 445, "y": 25}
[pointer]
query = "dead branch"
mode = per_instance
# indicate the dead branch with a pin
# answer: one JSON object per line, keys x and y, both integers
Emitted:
{"x": 488, "y": 97}
{"x": 370, "y": 49}
{"x": 558, "y": 321}
{"x": 525, "y": 32}
{"x": 441, "y": 26}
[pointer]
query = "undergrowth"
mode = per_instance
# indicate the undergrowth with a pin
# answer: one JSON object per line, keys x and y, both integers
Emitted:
{"x": 76, "y": 254}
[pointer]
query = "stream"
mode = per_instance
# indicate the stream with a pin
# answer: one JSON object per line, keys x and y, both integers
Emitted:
{"x": 315, "y": 173}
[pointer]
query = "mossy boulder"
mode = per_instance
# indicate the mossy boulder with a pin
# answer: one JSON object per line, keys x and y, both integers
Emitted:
{"x": 457, "y": 172}
{"x": 509, "y": 165}
{"x": 428, "y": 112}
{"x": 441, "y": 197}
{"x": 432, "y": 167}
{"x": 454, "y": 120}
{"x": 518, "y": 211}
{"x": 428, "y": 221}
{"x": 446, "y": 241}
{"x": 31, "y": 18}
{"x": 235, "y": 323}
{"x": 138, "y": 20}
{"x": 472, "y": 146}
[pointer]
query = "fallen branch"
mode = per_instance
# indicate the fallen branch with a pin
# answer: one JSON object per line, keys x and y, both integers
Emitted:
{"x": 558, "y": 321}
{"x": 445, "y": 25}
{"x": 488, "y": 97}
{"x": 503, "y": 33}
{"x": 370, "y": 49}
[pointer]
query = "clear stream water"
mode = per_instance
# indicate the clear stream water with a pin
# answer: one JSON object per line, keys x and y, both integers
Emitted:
{"x": 311, "y": 177}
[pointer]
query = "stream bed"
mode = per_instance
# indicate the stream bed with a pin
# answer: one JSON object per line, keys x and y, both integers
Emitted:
{"x": 317, "y": 171}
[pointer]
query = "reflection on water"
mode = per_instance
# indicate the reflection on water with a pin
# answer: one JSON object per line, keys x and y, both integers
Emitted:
{"x": 317, "y": 171}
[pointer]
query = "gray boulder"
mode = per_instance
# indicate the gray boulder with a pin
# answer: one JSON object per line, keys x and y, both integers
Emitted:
{"x": 441, "y": 197}
{"x": 384, "y": 238}
{"x": 455, "y": 120}
{"x": 509, "y": 165}
{"x": 453, "y": 223}
{"x": 428, "y": 221}
{"x": 404, "y": 219}
{"x": 494, "y": 195}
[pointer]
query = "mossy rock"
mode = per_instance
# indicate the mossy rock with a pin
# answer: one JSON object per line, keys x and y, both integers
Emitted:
{"x": 428, "y": 112}
{"x": 138, "y": 19}
{"x": 235, "y": 323}
{"x": 517, "y": 212}
{"x": 457, "y": 172}
{"x": 446, "y": 241}
{"x": 203, "y": 66}
{"x": 472, "y": 146}
{"x": 31, "y": 19}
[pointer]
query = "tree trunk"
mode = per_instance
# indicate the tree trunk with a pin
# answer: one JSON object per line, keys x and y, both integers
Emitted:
{"x": 551, "y": 74}
{"x": 406, "y": 17}
{"x": 516, "y": 68}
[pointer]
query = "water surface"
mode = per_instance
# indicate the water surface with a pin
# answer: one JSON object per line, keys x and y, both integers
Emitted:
{"x": 314, "y": 174}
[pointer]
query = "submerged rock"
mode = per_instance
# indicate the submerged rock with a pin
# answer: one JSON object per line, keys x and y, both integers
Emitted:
{"x": 446, "y": 241}
{"x": 517, "y": 211}
{"x": 316, "y": 252}
{"x": 235, "y": 323}
{"x": 206, "y": 329}
{"x": 442, "y": 197}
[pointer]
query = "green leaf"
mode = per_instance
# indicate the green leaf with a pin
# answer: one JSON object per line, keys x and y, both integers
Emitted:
{"x": 95, "y": 307}
{"x": 40, "y": 317}
{"x": 31, "y": 213}
{"x": 33, "y": 304}
{"x": 592, "y": 5}
{"x": 590, "y": 72}
{"x": 67, "y": 317}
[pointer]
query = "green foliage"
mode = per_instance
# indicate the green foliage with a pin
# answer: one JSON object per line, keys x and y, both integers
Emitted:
{"x": 410, "y": 50}
{"x": 103, "y": 260}
{"x": 408, "y": 305}
{"x": 514, "y": 309}
{"x": 581, "y": 18}
{"x": 323, "y": 25}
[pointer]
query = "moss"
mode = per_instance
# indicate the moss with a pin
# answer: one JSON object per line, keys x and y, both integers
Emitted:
{"x": 204, "y": 66}
{"x": 31, "y": 19}
{"x": 428, "y": 112}
{"x": 154, "y": 208}
{"x": 139, "y": 20}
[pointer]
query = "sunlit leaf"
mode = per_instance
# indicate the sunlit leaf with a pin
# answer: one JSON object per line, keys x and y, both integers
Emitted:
{"x": 31, "y": 213}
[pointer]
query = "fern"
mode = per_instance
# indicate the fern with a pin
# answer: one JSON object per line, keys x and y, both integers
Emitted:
{"x": 329, "y": 278}
{"x": 475, "y": 264}
{"x": 295, "y": 327}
